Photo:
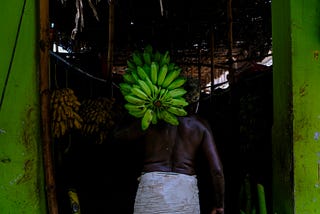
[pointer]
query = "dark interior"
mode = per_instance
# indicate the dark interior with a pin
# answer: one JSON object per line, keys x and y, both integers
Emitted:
{"x": 105, "y": 174}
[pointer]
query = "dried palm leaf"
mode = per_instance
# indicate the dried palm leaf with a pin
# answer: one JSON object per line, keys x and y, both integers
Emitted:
{"x": 79, "y": 18}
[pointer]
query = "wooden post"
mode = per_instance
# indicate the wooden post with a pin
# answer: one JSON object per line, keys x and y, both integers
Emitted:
{"x": 230, "y": 42}
{"x": 212, "y": 64}
{"x": 110, "y": 44}
{"x": 45, "y": 107}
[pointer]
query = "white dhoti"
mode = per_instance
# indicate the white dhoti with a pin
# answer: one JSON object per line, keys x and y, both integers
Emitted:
{"x": 166, "y": 192}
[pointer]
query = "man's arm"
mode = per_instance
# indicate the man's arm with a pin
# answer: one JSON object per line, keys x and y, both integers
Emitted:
{"x": 216, "y": 168}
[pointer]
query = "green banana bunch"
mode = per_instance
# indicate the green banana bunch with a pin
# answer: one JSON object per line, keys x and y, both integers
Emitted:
{"x": 153, "y": 88}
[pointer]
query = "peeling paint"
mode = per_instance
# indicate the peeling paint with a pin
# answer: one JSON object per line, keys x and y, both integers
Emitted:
{"x": 28, "y": 166}
{"x": 5, "y": 160}
{"x": 16, "y": 179}
{"x": 27, "y": 133}
{"x": 2, "y": 131}
{"x": 316, "y": 136}
{"x": 316, "y": 55}
{"x": 302, "y": 90}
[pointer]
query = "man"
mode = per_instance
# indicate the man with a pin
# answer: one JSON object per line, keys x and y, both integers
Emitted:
{"x": 168, "y": 183}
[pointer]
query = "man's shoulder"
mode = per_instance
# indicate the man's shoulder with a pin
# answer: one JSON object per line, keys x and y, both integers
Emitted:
{"x": 194, "y": 119}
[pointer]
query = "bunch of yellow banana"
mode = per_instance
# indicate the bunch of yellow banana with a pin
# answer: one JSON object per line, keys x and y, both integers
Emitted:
{"x": 65, "y": 107}
{"x": 153, "y": 88}
{"x": 98, "y": 117}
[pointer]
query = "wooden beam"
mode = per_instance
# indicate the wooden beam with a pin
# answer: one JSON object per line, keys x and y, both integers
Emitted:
{"x": 45, "y": 45}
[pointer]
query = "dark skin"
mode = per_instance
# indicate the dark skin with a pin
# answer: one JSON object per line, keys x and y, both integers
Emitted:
{"x": 170, "y": 148}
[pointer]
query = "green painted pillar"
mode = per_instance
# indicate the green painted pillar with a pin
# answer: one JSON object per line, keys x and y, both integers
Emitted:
{"x": 296, "y": 131}
{"x": 21, "y": 171}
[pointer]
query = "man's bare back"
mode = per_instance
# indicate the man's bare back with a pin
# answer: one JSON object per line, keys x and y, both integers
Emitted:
{"x": 174, "y": 148}
{"x": 170, "y": 148}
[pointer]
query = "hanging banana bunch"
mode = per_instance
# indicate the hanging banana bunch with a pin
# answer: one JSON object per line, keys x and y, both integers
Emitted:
{"x": 99, "y": 117}
{"x": 65, "y": 107}
{"x": 153, "y": 88}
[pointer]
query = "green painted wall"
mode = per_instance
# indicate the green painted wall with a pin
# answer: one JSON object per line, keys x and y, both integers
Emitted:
{"x": 21, "y": 172}
{"x": 296, "y": 132}
{"x": 305, "y": 24}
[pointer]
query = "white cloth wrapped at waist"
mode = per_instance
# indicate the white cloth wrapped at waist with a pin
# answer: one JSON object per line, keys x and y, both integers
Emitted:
{"x": 167, "y": 192}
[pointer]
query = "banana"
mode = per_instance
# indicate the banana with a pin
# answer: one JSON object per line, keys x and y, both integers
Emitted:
{"x": 178, "y": 82}
{"x": 123, "y": 92}
{"x": 179, "y": 102}
{"x": 169, "y": 117}
{"x": 154, "y": 118}
{"x": 63, "y": 128}
{"x": 125, "y": 87}
{"x": 131, "y": 65}
{"x": 147, "y": 58}
{"x": 144, "y": 86}
{"x": 135, "y": 76}
{"x": 137, "y": 58}
{"x": 128, "y": 78}
{"x": 137, "y": 114}
{"x": 141, "y": 72}
{"x": 147, "y": 119}
{"x": 133, "y": 107}
{"x": 134, "y": 100}
{"x": 162, "y": 74}
{"x": 178, "y": 92}
{"x": 177, "y": 111}
{"x": 171, "y": 66}
{"x": 162, "y": 93}
{"x": 151, "y": 86}
{"x": 171, "y": 76}
{"x": 147, "y": 68}
{"x": 77, "y": 123}
{"x": 136, "y": 111}
{"x": 157, "y": 56}
{"x": 139, "y": 93}
{"x": 156, "y": 91}
{"x": 148, "y": 49}
{"x": 64, "y": 105}
{"x": 154, "y": 73}
{"x": 165, "y": 59}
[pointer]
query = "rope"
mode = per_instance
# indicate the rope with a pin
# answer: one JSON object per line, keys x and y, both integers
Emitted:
{"x": 76, "y": 68}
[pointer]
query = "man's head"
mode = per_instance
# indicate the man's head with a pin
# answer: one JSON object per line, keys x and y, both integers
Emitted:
{"x": 193, "y": 94}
